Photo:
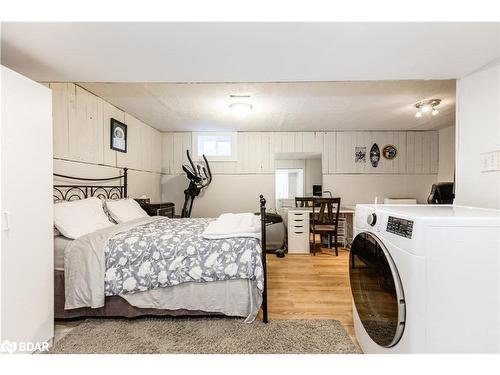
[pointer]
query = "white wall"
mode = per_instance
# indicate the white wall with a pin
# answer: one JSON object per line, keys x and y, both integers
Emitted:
{"x": 236, "y": 185}
{"x": 81, "y": 124}
{"x": 227, "y": 193}
{"x": 359, "y": 188}
{"x": 478, "y": 131}
{"x": 446, "y": 166}
{"x": 312, "y": 176}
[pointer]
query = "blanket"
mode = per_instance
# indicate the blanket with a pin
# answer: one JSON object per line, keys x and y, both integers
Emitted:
{"x": 233, "y": 226}
{"x": 150, "y": 253}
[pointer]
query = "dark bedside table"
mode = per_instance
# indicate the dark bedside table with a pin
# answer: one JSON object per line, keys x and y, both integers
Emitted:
{"x": 157, "y": 209}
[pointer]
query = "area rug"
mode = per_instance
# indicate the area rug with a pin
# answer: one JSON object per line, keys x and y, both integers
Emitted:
{"x": 205, "y": 336}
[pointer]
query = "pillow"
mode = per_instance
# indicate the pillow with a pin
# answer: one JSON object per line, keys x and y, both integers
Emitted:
{"x": 122, "y": 210}
{"x": 105, "y": 208}
{"x": 77, "y": 218}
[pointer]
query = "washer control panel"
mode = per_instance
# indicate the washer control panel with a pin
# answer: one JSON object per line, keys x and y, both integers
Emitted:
{"x": 401, "y": 227}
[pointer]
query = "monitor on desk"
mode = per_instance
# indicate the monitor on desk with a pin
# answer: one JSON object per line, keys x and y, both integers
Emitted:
{"x": 317, "y": 190}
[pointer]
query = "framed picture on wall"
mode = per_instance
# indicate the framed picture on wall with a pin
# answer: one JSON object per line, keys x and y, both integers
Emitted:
{"x": 360, "y": 154}
{"x": 118, "y": 136}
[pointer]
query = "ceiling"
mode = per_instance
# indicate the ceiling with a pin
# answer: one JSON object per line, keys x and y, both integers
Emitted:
{"x": 246, "y": 52}
{"x": 285, "y": 106}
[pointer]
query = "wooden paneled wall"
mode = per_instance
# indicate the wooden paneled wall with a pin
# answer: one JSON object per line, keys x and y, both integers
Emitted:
{"x": 81, "y": 128}
{"x": 82, "y": 132}
{"x": 417, "y": 151}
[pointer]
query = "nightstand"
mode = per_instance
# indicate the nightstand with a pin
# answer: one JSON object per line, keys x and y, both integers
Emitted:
{"x": 157, "y": 209}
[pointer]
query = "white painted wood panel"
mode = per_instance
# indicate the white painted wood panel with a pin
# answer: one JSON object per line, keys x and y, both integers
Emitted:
{"x": 146, "y": 147}
{"x": 434, "y": 152}
{"x": 325, "y": 156}
{"x": 145, "y": 184}
{"x": 288, "y": 142}
{"x": 156, "y": 150}
{"x": 132, "y": 158}
{"x": 255, "y": 148}
{"x": 422, "y": 152}
{"x": 410, "y": 152}
{"x": 417, "y": 151}
{"x": 85, "y": 129}
{"x": 277, "y": 141}
{"x": 298, "y": 146}
{"x": 60, "y": 117}
{"x": 337, "y": 158}
{"x": 181, "y": 143}
{"x": 309, "y": 141}
{"x": 243, "y": 155}
{"x": 100, "y": 131}
{"x": 265, "y": 150}
{"x": 401, "y": 159}
{"x": 291, "y": 164}
{"x": 426, "y": 152}
{"x": 167, "y": 152}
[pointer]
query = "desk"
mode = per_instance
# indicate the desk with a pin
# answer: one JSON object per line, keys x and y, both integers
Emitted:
{"x": 298, "y": 229}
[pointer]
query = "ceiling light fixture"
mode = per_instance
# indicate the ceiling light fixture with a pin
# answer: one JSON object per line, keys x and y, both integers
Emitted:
{"x": 240, "y": 109}
{"x": 427, "y": 106}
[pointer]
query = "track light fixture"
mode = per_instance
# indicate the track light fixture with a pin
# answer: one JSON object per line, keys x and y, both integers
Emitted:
{"x": 427, "y": 107}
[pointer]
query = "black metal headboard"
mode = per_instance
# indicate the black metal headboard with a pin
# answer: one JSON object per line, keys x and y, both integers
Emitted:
{"x": 76, "y": 192}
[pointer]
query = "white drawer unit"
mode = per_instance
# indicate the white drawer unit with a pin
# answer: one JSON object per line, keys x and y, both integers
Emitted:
{"x": 298, "y": 232}
{"x": 342, "y": 231}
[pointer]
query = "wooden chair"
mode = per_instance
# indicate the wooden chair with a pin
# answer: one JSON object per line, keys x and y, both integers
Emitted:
{"x": 325, "y": 222}
{"x": 304, "y": 201}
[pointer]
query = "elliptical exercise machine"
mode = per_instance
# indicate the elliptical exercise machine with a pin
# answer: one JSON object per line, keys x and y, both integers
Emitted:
{"x": 199, "y": 177}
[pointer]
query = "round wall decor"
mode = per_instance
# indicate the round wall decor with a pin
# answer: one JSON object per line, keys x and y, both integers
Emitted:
{"x": 389, "y": 152}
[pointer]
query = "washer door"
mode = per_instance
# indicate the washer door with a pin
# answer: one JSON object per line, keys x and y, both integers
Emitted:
{"x": 376, "y": 289}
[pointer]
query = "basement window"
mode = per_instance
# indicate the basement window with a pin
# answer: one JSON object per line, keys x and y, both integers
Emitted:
{"x": 216, "y": 146}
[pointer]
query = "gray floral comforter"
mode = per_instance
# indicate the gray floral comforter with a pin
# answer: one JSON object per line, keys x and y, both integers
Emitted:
{"x": 168, "y": 252}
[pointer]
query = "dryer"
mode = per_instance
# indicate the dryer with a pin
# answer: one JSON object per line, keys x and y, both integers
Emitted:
{"x": 425, "y": 279}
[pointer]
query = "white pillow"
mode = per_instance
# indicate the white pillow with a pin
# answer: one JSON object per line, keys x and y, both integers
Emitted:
{"x": 77, "y": 218}
{"x": 122, "y": 210}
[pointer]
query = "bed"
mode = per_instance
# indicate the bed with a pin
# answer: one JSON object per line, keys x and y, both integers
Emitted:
{"x": 155, "y": 266}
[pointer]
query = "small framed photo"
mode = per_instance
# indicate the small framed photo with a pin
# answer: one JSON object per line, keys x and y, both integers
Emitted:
{"x": 118, "y": 136}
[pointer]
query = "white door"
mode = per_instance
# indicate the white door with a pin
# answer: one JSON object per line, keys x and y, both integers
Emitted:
{"x": 26, "y": 257}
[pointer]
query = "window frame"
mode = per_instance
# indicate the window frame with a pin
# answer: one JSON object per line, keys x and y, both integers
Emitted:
{"x": 233, "y": 136}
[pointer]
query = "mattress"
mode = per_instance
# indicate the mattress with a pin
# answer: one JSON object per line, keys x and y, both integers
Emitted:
{"x": 238, "y": 297}
{"x": 60, "y": 245}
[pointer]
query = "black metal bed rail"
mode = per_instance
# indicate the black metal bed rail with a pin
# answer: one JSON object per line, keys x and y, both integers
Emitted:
{"x": 263, "y": 255}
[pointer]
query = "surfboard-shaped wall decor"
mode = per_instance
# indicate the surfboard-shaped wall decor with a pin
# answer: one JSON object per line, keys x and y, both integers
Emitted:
{"x": 374, "y": 155}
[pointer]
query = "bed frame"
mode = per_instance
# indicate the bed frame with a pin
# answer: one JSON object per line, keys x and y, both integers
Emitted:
{"x": 76, "y": 192}
{"x": 116, "y": 306}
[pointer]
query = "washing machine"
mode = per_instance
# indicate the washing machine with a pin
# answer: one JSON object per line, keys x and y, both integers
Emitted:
{"x": 425, "y": 279}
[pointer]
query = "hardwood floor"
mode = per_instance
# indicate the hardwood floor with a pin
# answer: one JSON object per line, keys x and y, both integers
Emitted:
{"x": 311, "y": 287}
{"x": 299, "y": 287}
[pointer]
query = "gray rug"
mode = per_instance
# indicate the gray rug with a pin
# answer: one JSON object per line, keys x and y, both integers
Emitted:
{"x": 205, "y": 335}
